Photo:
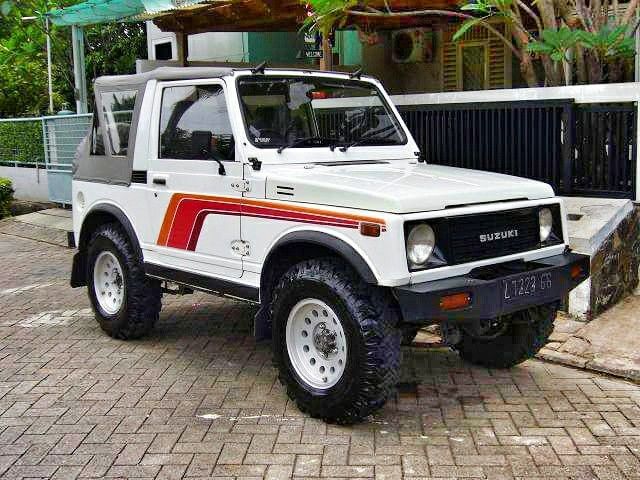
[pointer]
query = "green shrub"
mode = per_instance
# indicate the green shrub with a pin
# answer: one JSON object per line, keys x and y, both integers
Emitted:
{"x": 21, "y": 142}
{"x": 6, "y": 197}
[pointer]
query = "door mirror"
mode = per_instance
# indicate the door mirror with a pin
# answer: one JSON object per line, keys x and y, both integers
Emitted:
{"x": 201, "y": 145}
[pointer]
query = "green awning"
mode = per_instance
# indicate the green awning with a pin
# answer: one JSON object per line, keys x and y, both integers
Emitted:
{"x": 105, "y": 11}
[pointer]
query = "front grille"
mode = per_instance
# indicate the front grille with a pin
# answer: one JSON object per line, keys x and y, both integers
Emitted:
{"x": 498, "y": 231}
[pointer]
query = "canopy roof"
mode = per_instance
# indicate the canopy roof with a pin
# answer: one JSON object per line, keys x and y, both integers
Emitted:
{"x": 198, "y": 16}
{"x": 104, "y": 11}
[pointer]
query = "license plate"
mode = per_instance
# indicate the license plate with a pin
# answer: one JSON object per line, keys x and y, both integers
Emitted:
{"x": 526, "y": 286}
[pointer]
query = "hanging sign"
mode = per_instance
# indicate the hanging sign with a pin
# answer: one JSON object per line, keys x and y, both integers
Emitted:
{"x": 312, "y": 53}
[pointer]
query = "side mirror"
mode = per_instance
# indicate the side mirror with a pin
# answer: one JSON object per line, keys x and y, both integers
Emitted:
{"x": 208, "y": 155}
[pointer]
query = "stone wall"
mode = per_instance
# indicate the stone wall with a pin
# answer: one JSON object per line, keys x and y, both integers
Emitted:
{"x": 615, "y": 266}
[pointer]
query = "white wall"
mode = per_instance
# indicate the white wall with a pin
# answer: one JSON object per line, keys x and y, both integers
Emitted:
{"x": 218, "y": 46}
{"x": 28, "y": 183}
{"x": 212, "y": 46}
{"x": 155, "y": 36}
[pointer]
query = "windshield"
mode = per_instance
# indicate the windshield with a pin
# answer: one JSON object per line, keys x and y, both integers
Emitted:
{"x": 314, "y": 111}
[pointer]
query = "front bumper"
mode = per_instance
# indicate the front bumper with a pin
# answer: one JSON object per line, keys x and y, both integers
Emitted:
{"x": 494, "y": 290}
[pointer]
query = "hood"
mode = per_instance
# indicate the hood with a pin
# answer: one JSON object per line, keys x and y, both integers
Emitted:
{"x": 396, "y": 186}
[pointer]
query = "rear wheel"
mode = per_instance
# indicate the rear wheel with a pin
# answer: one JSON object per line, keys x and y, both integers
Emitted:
{"x": 335, "y": 341}
{"x": 509, "y": 340}
{"x": 126, "y": 302}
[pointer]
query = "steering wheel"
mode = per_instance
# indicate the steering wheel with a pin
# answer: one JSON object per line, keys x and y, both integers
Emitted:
{"x": 350, "y": 127}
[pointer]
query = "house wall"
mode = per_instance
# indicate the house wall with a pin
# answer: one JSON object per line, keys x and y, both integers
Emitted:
{"x": 279, "y": 47}
{"x": 403, "y": 78}
{"x": 155, "y": 36}
{"x": 282, "y": 48}
{"x": 219, "y": 46}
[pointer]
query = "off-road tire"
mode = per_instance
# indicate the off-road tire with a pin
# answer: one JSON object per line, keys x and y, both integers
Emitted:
{"x": 526, "y": 332}
{"x": 369, "y": 318}
{"x": 142, "y": 295}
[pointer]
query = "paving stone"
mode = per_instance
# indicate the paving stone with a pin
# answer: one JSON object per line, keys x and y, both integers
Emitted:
{"x": 131, "y": 454}
{"x": 75, "y": 403}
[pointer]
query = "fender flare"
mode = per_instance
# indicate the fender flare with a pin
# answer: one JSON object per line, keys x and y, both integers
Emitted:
{"x": 78, "y": 269}
{"x": 337, "y": 245}
{"x": 122, "y": 219}
{"x": 262, "y": 322}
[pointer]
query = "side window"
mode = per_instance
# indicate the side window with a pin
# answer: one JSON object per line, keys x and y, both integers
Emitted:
{"x": 117, "y": 109}
{"x": 97, "y": 144}
{"x": 194, "y": 124}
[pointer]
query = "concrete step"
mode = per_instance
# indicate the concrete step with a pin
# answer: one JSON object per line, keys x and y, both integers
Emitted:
{"x": 607, "y": 230}
{"x": 53, "y": 226}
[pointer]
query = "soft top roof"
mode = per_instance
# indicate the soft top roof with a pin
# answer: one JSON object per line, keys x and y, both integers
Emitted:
{"x": 162, "y": 73}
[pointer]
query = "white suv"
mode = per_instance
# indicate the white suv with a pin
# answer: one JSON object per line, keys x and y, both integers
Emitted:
{"x": 305, "y": 193}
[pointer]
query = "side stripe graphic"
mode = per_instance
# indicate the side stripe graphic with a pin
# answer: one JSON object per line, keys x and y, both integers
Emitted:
{"x": 186, "y": 214}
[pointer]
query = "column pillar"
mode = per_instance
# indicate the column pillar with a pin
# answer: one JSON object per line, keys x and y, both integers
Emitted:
{"x": 79, "y": 71}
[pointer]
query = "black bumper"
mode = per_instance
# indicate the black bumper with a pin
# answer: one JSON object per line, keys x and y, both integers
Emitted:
{"x": 492, "y": 290}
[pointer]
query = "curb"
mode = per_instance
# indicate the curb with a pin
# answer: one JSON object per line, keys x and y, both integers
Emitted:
{"x": 626, "y": 368}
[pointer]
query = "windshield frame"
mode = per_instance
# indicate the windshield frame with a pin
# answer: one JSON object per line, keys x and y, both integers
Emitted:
{"x": 399, "y": 125}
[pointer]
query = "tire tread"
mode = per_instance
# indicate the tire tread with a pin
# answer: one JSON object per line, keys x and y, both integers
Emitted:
{"x": 527, "y": 333}
{"x": 143, "y": 295}
{"x": 377, "y": 319}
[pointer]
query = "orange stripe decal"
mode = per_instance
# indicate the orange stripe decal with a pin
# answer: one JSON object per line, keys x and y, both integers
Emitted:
{"x": 186, "y": 213}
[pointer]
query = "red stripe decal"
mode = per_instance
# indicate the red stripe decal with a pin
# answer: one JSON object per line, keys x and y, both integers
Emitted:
{"x": 186, "y": 215}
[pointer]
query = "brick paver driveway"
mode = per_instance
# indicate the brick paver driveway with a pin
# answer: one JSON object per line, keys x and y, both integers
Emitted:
{"x": 199, "y": 398}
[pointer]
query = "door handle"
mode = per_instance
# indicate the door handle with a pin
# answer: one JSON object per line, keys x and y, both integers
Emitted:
{"x": 159, "y": 180}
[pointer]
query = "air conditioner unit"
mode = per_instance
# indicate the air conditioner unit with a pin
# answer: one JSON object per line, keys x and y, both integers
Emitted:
{"x": 412, "y": 45}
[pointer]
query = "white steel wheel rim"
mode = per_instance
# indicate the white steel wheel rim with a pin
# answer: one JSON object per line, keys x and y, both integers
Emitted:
{"x": 108, "y": 282}
{"x": 316, "y": 343}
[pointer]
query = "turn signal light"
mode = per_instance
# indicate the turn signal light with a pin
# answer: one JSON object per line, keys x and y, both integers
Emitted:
{"x": 576, "y": 271}
{"x": 370, "y": 229}
{"x": 455, "y": 301}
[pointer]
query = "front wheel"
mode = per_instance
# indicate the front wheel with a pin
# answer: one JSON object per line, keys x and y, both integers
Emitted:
{"x": 335, "y": 341}
{"x": 509, "y": 340}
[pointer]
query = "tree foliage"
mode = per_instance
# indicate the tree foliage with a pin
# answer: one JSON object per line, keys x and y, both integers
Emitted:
{"x": 110, "y": 49}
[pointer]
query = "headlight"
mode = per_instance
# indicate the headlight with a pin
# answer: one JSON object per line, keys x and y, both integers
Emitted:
{"x": 420, "y": 243}
{"x": 546, "y": 223}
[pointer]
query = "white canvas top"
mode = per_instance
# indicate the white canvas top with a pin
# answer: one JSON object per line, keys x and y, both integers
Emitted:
{"x": 162, "y": 73}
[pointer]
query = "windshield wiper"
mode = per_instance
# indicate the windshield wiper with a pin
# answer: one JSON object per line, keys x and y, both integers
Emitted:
{"x": 302, "y": 141}
{"x": 371, "y": 136}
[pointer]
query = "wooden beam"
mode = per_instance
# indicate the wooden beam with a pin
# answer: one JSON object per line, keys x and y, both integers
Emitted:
{"x": 182, "y": 44}
{"x": 283, "y": 15}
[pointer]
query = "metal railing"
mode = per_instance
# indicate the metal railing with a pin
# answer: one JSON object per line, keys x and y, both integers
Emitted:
{"x": 45, "y": 142}
{"x": 526, "y": 139}
{"x": 62, "y": 134}
{"x": 605, "y": 144}
{"x": 582, "y": 140}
